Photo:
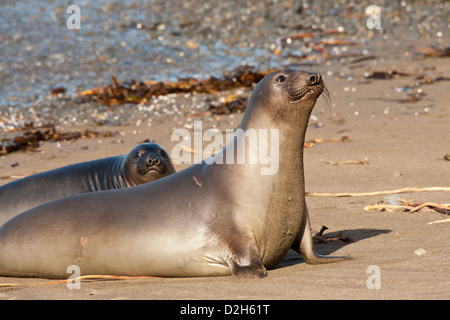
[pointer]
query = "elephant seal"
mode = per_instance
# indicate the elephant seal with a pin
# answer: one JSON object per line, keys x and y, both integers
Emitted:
{"x": 209, "y": 219}
{"x": 144, "y": 163}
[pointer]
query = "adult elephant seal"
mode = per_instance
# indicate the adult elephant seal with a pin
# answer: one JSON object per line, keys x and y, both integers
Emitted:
{"x": 207, "y": 220}
{"x": 145, "y": 163}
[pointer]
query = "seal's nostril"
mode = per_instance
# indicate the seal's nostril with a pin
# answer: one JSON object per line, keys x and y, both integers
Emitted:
{"x": 153, "y": 160}
{"x": 315, "y": 78}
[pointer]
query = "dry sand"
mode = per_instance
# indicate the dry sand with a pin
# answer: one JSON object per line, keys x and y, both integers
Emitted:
{"x": 404, "y": 149}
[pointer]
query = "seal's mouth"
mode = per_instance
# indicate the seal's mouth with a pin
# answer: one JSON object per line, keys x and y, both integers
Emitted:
{"x": 154, "y": 168}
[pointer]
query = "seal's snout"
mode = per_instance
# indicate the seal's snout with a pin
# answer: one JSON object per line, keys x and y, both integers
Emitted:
{"x": 315, "y": 79}
{"x": 153, "y": 160}
{"x": 304, "y": 84}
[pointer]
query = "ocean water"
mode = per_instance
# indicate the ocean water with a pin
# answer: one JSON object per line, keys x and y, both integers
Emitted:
{"x": 142, "y": 40}
{"x": 171, "y": 39}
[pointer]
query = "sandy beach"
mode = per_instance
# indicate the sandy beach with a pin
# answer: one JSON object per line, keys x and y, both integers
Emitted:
{"x": 404, "y": 143}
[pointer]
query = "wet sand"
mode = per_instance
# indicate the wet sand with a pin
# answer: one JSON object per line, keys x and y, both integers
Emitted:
{"x": 404, "y": 149}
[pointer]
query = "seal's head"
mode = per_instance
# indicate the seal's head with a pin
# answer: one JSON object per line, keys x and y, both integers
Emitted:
{"x": 147, "y": 162}
{"x": 286, "y": 93}
{"x": 299, "y": 86}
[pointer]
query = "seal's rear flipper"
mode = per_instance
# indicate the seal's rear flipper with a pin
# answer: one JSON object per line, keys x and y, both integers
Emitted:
{"x": 305, "y": 246}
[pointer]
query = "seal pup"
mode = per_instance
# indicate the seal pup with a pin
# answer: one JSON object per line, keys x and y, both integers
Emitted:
{"x": 207, "y": 220}
{"x": 146, "y": 162}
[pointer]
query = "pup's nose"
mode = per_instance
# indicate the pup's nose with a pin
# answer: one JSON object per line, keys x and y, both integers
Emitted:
{"x": 153, "y": 161}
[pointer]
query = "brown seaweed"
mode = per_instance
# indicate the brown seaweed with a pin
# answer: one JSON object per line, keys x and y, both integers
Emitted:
{"x": 232, "y": 104}
{"x": 30, "y": 139}
{"x": 391, "y": 74}
{"x": 137, "y": 92}
{"x": 432, "y": 52}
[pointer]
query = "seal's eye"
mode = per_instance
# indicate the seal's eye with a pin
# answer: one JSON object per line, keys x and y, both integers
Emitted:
{"x": 280, "y": 78}
{"x": 138, "y": 154}
{"x": 162, "y": 153}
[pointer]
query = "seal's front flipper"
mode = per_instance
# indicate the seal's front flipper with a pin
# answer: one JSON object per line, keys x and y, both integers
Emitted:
{"x": 245, "y": 260}
{"x": 305, "y": 246}
{"x": 253, "y": 270}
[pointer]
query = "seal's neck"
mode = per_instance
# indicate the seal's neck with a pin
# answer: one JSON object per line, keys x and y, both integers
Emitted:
{"x": 279, "y": 198}
{"x": 107, "y": 174}
{"x": 291, "y": 133}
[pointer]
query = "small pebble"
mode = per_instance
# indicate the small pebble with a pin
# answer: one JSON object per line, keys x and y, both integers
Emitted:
{"x": 420, "y": 252}
{"x": 192, "y": 45}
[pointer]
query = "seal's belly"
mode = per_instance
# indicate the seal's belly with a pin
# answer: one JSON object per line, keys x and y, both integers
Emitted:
{"x": 173, "y": 265}
{"x": 165, "y": 254}
{"x": 193, "y": 266}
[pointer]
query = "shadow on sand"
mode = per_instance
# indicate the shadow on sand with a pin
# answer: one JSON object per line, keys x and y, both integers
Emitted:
{"x": 327, "y": 248}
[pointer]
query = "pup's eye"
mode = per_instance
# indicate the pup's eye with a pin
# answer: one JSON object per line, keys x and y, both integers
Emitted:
{"x": 138, "y": 154}
{"x": 280, "y": 78}
{"x": 162, "y": 153}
